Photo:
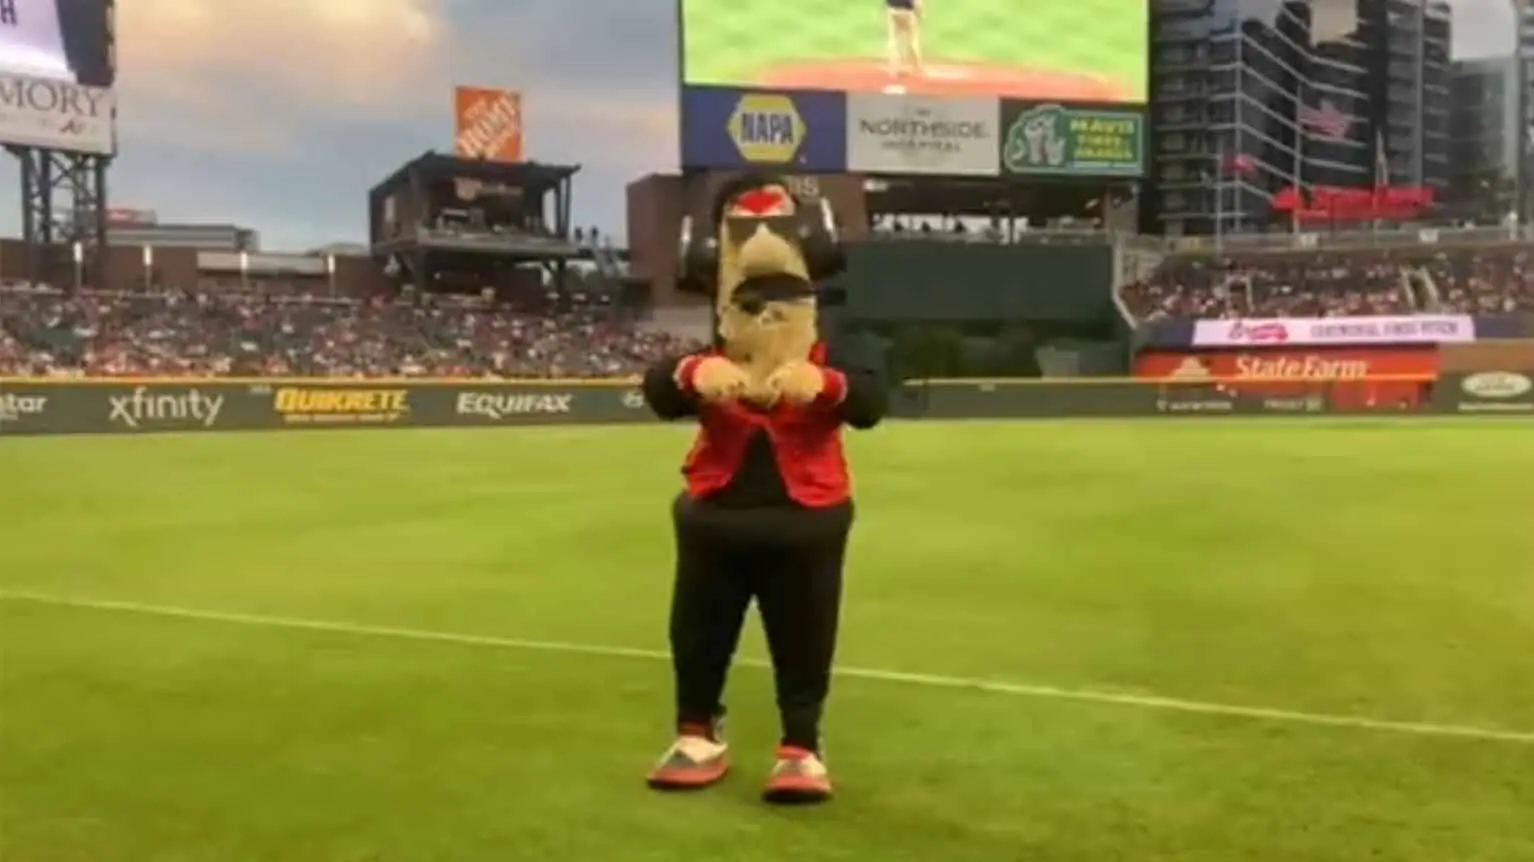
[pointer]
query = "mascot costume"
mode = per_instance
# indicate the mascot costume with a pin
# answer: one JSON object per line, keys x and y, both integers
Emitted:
{"x": 767, "y": 507}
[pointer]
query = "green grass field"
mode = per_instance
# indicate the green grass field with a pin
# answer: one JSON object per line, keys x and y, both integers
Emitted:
{"x": 736, "y": 42}
{"x": 446, "y": 647}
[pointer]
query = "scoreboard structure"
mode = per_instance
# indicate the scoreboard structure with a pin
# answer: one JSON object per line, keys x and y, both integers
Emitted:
{"x": 58, "y": 117}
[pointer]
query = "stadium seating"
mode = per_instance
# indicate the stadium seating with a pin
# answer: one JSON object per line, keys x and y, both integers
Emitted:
{"x": 1478, "y": 279}
{"x": 233, "y": 333}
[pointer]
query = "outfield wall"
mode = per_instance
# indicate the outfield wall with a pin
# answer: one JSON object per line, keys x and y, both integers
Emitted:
{"x": 31, "y": 406}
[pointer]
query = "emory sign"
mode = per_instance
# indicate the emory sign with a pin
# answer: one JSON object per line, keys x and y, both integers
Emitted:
{"x": 55, "y": 114}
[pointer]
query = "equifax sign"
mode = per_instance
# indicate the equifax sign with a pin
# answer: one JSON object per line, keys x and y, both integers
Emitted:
{"x": 62, "y": 115}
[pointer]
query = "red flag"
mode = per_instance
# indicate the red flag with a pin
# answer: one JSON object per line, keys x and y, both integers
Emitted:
{"x": 1326, "y": 121}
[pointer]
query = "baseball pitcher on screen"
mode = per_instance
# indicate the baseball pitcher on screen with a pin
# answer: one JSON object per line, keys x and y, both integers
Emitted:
{"x": 903, "y": 22}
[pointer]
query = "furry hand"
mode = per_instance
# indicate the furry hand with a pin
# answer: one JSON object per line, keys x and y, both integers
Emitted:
{"x": 718, "y": 379}
{"x": 798, "y": 382}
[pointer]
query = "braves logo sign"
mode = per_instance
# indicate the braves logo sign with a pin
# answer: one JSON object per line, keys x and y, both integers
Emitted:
{"x": 1274, "y": 332}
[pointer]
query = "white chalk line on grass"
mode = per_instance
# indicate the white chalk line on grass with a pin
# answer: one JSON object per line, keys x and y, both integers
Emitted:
{"x": 1142, "y": 701}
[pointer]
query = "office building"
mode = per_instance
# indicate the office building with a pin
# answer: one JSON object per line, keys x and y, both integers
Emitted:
{"x": 1486, "y": 135}
{"x": 1525, "y": 178}
{"x": 1251, "y": 97}
{"x": 1407, "y": 44}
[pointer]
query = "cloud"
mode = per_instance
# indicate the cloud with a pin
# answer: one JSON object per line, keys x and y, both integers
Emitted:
{"x": 247, "y": 74}
{"x": 1483, "y": 28}
{"x": 280, "y": 113}
{"x": 597, "y": 77}
{"x": 620, "y": 131}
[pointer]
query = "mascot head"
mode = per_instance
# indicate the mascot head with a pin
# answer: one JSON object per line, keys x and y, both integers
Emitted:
{"x": 761, "y": 258}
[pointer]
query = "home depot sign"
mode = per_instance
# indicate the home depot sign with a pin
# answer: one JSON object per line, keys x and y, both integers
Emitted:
{"x": 487, "y": 124}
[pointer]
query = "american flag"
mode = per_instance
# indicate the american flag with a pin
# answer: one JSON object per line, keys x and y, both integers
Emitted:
{"x": 1325, "y": 121}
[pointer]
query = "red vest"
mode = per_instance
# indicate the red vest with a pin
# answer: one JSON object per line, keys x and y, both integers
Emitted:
{"x": 807, "y": 442}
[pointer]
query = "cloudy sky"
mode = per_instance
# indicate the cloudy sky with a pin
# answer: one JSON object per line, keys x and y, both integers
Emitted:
{"x": 279, "y": 114}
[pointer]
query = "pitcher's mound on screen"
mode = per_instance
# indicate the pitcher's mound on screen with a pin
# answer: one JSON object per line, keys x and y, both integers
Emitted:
{"x": 946, "y": 79}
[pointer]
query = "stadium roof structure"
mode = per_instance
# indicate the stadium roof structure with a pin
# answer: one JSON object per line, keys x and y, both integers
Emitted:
{"x": 535, "y": 177}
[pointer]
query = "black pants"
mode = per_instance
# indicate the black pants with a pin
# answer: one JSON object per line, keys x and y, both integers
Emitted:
{"x": 790, "y": 562}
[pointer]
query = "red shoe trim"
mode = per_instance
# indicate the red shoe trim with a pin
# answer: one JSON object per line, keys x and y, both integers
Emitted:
{"x": 704, "y": 730}
{"x": 690, "y": 776}
{"x": 798, "y": 785}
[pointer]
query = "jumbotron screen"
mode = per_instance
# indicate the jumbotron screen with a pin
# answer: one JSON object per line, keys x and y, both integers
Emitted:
{"x": 56, "y": 39}
{"x": 1047, "y": 50}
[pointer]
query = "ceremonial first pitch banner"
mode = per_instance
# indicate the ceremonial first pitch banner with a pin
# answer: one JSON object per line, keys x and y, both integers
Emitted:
{"x": 922, "y": 135}
{"x": 1337, "y": 331}
{"x": 729, "y": 127}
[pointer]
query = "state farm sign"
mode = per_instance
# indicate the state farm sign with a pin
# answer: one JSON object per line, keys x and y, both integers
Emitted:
{"x": 1308, "y": 366}
{"x": 1291, "y": 365}
{"x": 57, "y": 115}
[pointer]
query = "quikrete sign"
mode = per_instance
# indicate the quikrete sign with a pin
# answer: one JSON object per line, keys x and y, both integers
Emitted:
{"x": 312, "y": 406}
{"x": 500, "y": 406}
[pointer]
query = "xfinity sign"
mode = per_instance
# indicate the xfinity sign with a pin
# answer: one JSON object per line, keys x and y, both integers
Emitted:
{"x": 921, "y": 135}
{"x": 58, "y": 115}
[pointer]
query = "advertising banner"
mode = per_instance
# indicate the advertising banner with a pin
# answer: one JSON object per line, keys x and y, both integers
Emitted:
{"x": 487, "y": 124}
{"x": 1317, "y": 364}
{"x": 108, "y": 407}
{"x": 724, "y": 127}
{"x": 921, "y": 135}
{"x": 1056, "y": 140}
{"x": 310, "y": 404}
{"x": 1349, "y": 379}
{"x": 57, "y": 114}
{"x": 1336, "y": 331}
{"x": 1045, "y": 50}
{"x": 1212, "y": 398}
{"x": 1506, "y": 393}
{"x": 41, "y": 407}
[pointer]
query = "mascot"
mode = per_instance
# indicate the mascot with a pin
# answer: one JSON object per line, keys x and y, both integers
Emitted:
{"x": 767, "y": 507}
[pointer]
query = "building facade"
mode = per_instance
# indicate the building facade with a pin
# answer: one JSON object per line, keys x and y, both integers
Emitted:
{"x": 1484, "y": 145}
{"x": 1525, "y": 177}
{"x": 1251, "y": 97}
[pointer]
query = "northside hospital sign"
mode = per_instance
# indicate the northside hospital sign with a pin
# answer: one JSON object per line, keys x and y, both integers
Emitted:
{"x": 57, "y": 114}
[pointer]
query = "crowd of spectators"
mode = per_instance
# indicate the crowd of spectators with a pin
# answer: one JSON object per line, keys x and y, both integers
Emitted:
{"x": 231, "y": 333}
{"x": 1470, "y": 280}
{"x": 228, "y": 331}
